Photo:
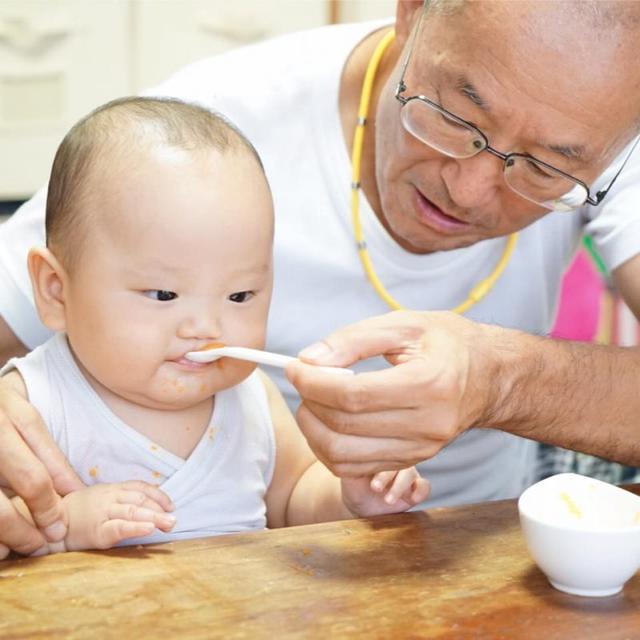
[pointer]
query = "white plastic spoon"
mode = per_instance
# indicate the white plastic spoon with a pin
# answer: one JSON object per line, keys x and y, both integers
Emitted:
{"x": 253, "y": 355}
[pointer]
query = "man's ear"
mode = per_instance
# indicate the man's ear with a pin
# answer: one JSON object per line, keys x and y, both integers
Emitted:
{"x": 407, "y": 12}
{"x": 48, "y": 281}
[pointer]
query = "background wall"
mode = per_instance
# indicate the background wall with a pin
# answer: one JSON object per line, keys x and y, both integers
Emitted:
{"x": 61, "y": 58}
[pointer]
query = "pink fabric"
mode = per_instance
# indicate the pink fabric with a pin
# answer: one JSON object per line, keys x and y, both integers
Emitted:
{"x": 580, "y": 297}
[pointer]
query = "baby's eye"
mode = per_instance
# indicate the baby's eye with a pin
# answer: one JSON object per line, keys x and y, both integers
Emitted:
{"x": 160, "y": 294}
{"x": 241, "y": 296}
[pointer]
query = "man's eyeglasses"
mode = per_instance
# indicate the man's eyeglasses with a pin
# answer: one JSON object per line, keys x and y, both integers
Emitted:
{"x": 532, "y": 179}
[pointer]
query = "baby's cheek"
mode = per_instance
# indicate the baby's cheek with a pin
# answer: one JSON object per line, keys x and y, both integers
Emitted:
{"x": 171, "y": 385}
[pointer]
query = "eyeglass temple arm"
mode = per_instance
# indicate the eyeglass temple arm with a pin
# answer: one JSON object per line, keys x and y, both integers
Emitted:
{"x": 599, "y": 197}
{"x": 401, "y": 85}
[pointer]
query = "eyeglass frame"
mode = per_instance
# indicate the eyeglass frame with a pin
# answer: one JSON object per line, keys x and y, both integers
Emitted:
{"x": 401, "y": 87}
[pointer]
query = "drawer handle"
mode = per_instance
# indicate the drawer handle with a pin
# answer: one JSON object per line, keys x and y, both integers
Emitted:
{"x": 29, "y": 38}
{"x": 235, "y": 33}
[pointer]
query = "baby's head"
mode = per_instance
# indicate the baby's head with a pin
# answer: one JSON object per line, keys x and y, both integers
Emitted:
{"x": 159, "y": 238}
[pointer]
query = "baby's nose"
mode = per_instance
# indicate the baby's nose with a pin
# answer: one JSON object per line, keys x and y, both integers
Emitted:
{"x": 203, "y": 324}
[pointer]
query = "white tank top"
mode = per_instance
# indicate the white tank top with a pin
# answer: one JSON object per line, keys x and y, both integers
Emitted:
{"x": 219, "y": 489}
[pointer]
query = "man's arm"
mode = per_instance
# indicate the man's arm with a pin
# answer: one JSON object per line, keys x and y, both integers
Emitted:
{"x": 627, "y": 281}
{"x": 452, "y": 374}
{"x": 10, "y": 346}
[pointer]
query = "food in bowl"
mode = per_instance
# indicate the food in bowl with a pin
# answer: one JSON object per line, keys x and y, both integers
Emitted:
{"x": 583, "y": 533}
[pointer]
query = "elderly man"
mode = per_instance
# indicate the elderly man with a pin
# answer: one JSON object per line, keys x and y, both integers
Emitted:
{"x": 484, "y": 137}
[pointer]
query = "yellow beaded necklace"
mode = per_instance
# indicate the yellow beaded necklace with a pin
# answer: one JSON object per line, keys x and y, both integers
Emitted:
{"x": 483, "y": 287}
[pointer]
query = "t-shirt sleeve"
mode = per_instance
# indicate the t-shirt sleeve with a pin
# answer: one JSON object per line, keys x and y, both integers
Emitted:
{"x": 24, "y": 230}
{"x": 615, "y": 224}
{"x": 35, "y": 374}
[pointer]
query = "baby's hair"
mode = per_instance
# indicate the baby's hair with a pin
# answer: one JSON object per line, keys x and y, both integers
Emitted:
{"x": 109, "y": 133}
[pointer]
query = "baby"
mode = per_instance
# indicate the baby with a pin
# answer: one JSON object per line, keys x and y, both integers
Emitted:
{"x": 159, "y": 240}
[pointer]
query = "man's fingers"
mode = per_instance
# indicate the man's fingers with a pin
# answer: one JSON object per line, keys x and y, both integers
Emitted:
{"x": 438, "y": 425}
{"x": 403, "y": 386}
{"x": 391, "y": 333}
{"x": 34, "y": 432}
{"x": 15, "y": 532}
{"x": 29, "y": 478}
{"x": 334, "y": 448}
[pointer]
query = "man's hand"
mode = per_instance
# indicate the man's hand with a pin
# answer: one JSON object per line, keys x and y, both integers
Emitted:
{"x": 33, "y": 468}
{"x": 438, "y": 387}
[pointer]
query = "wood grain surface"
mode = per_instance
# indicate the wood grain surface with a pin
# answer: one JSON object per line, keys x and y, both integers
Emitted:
{"x": 445, "y": 573}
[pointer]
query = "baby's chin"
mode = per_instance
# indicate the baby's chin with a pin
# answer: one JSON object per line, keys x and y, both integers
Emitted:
{"x": 171, "y": 400}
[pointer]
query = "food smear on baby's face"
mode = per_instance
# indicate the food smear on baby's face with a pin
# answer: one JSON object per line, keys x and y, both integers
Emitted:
{"x": 212, "y": 345}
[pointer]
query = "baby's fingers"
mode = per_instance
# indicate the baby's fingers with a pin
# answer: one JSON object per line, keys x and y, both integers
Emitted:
{"x": 114, "y": 531}
{"x": 126, "y": 496}
{"x": 134, "y": 513}
{"x": 381, "y": 480}
{"x": 417, "y": 492}
{"x": 406, "y": 483}
{"x": 148, "y": 491}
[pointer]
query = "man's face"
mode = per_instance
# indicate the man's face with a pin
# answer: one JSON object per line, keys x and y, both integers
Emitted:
{"x": 535, "y": 79}
{"x": 179, "y": 256}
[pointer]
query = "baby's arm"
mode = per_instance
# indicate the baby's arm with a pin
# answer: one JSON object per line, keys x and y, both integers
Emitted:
{"x": 103, "y": 515}
{"x": 304, "y": 491}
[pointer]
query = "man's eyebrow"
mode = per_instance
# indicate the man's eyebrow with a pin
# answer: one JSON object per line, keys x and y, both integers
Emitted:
{"x": 467, "y": 88}
{"x": 568, "y": 151}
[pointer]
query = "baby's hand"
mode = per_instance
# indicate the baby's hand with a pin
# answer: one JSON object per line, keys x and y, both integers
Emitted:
{"x": 102, "y": 515}
{"x": 386, "y": 492}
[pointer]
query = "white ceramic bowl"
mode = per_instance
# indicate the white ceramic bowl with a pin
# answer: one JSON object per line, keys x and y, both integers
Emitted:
{"x": 584, "y": 534}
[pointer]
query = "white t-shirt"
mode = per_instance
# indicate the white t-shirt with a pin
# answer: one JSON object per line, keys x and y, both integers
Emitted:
{"x": 219, "y": 488}
{"x": 283, "y": 94}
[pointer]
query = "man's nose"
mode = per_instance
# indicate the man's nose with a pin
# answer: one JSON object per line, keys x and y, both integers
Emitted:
{"x": 473, "y": 182}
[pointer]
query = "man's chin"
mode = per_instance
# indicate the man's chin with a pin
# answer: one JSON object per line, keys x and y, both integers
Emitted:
{"x": 425, "y": 240}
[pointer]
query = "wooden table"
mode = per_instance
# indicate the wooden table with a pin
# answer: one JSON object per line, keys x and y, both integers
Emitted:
{"x": 446, "y": 573}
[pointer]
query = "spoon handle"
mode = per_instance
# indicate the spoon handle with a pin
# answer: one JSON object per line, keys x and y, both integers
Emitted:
{"x": 272, "y": 359}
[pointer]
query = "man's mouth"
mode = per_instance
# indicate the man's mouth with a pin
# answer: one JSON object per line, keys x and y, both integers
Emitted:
{"x": 432, "y": 216}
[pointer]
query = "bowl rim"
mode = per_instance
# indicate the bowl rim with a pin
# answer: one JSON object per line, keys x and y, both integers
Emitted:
{"x": 523, "y": 512}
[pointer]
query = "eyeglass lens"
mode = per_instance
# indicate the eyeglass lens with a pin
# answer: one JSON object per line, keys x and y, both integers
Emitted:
{"x": 528, "y": 177}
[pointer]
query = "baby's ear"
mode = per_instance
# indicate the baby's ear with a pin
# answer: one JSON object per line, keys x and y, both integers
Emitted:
{"x": 48, "y": 279}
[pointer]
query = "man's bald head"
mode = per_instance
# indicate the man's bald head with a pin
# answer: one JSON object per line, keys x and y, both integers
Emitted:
{"x": 600, "y": 13}
{"x": 99, "y": 146}
{"x": 592, "y": 42}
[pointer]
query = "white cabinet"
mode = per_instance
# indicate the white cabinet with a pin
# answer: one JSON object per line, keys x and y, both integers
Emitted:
{"x": 61, "y": 58}
{"x": 172, "y": 33}
{"x": 58, "y": 59}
